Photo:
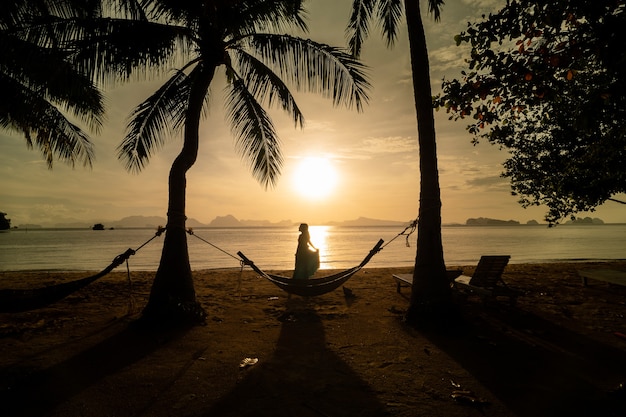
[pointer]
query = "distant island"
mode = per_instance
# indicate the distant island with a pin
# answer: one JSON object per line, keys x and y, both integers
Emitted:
{"x": 484, "y": 221}
{"x": 586, "y": 220}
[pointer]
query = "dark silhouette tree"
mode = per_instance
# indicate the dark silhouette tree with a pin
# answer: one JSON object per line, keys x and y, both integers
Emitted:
{"x": 430, "y": 296}
{"x": 243, "y": 38}
{"x": 40, "y": 85}
{"x": 546, "y": 81}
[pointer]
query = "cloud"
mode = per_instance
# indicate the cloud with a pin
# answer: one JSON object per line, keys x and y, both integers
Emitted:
{"x": 484, "y": 4}
{"x": 450, "y": 58}
{"x": 385, "y": 145}
{"x": 489, "y": 183}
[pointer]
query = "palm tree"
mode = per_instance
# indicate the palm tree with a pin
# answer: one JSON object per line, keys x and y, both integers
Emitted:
{"x": 430, "y": 296}
{"x": 242, "y": 38}
{"x": 39, "y": 84}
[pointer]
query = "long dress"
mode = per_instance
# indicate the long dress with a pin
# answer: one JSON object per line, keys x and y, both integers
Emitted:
{"x": 307, "y": 260}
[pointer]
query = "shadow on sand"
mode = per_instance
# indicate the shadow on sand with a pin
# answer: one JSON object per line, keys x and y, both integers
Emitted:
{"x": 319, "y": 382}
{"x": 536, "y": 367}
{"x": 39, "y": 392}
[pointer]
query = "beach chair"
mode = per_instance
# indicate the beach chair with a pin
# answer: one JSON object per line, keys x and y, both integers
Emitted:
{"x": 486, "y": 281}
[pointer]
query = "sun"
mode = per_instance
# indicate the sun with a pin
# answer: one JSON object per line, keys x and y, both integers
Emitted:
{"x": 315, "y": 178}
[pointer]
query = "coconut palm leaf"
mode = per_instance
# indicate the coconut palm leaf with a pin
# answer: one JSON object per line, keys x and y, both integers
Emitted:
{"x": 40, "y": 85}
{"x": 357, "y": 30}
{"x": 315, "y": 67}
{"x": 43, "y": 125}
{"x": 389, "y": 14}
{"x": 53, "y": 78}
{"x": 270, "y": 16}
{"x": 265, "y": 85}
{"x": 153, "y": 120}
{"x": 256, "y": 138}
{"x": 102, "y": 47}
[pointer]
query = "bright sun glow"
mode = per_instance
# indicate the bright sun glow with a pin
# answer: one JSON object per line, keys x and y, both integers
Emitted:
{"x": 315, "y": 178}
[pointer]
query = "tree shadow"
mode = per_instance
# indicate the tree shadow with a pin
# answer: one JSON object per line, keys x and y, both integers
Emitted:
{"x": 37, "y": 393}
{"x": 534, "y": 366}
{"x": 302, "y": 378}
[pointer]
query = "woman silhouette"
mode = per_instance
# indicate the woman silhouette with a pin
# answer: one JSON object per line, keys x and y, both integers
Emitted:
{"x": 307, "y": 255}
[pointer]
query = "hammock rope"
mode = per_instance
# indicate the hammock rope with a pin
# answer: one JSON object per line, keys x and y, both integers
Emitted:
{"x": 19, "y": 300}
{"x": 191, "y": 233}
{"x": 410, "y": 228}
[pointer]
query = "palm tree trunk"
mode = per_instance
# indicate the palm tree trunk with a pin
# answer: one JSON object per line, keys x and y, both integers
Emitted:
{"x": 173, "y": 296}
{"x": 430, "y": 296}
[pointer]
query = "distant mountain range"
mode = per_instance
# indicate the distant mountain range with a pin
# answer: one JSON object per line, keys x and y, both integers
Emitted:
{"x": 220, "y": 221}
{"x": 231, "y": 221}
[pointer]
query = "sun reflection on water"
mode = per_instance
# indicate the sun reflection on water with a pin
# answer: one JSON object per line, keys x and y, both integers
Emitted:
{"x": 319, "y": 238}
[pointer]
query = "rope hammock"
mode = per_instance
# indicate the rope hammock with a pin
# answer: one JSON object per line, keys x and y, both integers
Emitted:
{"x": 19, "y": 300}
{"x": 312, "y": 286}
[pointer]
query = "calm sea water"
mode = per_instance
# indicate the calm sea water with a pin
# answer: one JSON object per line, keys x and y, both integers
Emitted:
{"x": 273, "y": 248}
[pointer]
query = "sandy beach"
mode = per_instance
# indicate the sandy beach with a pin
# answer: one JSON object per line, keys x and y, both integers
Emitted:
{"x": 561, "y": 351}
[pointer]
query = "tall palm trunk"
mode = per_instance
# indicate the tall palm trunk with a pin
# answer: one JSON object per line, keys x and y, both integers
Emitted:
{"x": 430, "y": 296}
{"x": 173, "y": 295}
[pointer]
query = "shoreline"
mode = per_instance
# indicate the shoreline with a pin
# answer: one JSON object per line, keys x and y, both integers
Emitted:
{"x": 454, "y": 265}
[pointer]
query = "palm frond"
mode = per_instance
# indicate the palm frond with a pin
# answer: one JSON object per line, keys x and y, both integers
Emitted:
{"x": 17, "y": 13}
{"x": 434, "y": 7}
{"x": 258, "y": 16}
{"x": 131, "y": 9}
{"x": 358, "y": 25}
{"x": 54, "y": 78}
{"x": 315, "y": 67}
{"x": 153, "y": 120}
{"x": 265, "y": 85}
{"x": 390, "y": 12}
{"x": 43, "y": 126}
{"x": 102, "y": 47}
{"x": 256, "y": 138}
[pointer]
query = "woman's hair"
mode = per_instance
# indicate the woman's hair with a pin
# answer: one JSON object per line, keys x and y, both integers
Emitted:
{"x": 303, "y": 226}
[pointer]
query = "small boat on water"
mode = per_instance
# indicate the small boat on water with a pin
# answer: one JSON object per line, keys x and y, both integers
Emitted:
{"x": 98, "y": 226}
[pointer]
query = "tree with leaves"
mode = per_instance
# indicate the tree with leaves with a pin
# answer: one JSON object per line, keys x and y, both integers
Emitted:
{"x": 40, "y": 85}
{"x": 430, "y": 296}
{"x": 547, "y": 82}
{"x": 240, "y": 37}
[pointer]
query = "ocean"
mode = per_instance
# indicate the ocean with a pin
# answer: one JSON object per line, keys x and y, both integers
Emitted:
{"x": 273, "y": 248}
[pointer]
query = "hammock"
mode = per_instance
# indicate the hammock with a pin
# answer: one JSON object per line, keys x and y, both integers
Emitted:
{"x": 312, "y": 286}
{"x": 15, "y": 301}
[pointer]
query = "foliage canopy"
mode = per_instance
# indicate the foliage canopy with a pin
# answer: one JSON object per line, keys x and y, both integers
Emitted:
{"x": 43, "y": 92}
{"x": 547, "y": 82}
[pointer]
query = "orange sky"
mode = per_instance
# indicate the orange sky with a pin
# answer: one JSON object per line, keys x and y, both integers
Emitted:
{"x": 373, "y": 155}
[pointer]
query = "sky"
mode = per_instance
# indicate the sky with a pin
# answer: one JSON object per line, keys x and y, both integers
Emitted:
{"x": 366, "y": 163}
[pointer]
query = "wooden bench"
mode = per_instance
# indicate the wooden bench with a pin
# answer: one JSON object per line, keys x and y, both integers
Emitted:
{"x": 612, "y": 276}
{"x": 406, "y": 280}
